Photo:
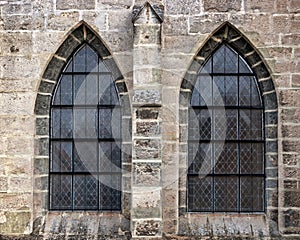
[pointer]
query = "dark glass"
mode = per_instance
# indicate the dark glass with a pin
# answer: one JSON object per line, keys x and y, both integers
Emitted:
{"x": 226, "y": 138}
{"x": 85, "y": 114}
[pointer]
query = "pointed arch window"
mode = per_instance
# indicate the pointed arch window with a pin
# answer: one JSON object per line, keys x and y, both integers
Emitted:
{"x": 85, "y": 136}
{"x": 226, "y": 137}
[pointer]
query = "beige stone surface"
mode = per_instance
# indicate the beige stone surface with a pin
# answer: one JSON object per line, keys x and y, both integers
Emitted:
{"x": 153, "y": 60}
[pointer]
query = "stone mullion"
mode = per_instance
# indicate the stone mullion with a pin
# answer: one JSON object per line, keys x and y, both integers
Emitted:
{"x": 146, "y": 214}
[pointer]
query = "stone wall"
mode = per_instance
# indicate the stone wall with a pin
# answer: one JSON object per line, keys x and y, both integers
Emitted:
{"x": 153, "y": 47}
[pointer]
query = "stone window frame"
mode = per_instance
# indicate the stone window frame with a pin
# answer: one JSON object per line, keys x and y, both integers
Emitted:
{"x": 230, "y": 35}
{"x": 80, "y": 34}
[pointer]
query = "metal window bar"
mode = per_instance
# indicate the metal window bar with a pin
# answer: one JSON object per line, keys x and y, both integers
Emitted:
{"x": 232, "y": 189}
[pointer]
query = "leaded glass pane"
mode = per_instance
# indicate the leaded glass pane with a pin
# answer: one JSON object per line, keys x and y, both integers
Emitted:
{"x": 200, "y": 193}
{"x": 61, "y": 191}
{"x": 91, "y": 89}
{"x": 80, "y": 60}
{"x": 226, "y": 158}
{"x": 85, "y": 192}
{"x": 85, "y": 156}
{"x": 61, "y": 156}
{"x": 91, "y": 60}
{"x": 200, "y": 158}
{"x": 110, "y": 194}
{"x": 226, "y": 194}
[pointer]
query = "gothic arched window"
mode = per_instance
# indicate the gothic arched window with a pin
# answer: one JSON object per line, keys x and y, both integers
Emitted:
{"x": 85, "y": 136}
{"x": 226, "y": 137}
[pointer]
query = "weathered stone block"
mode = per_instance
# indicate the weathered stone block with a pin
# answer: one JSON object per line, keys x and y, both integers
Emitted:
{"x": 147, "y": 149}
{"x": 147, "y": 228}
{"x": 184, "y": 98}
{"x": 42, "y": 105}
{"x": 280, "y": 24}
{"x": 19, "y": 43}
{"x": 147, "y": 96}
{"x": 169, "y": 131}
{"x": 52, "y": 223}
{"x": 290, "y": 146}
{"x": 291, "y": 172}
{"x": 23, "y": 22}
{"x": 291, "y": 199}
{"x": 41, "y": 166}
{"x": 46, "y": 42}
{"x": 15, "y": 222}
{"x": 108, "y": 225}
{"x": 120, "y": 20}
{"x": 144, "y": 75}
{"x": 19, "y": 9}
{"x": 20, "y": 184}
{"x": 68, "y": 47}
{"x": 290, "y": 39}
{"x": 271, "y": 132}
{"x": 169, "y": 199}
{"x": 205, "y": 24}
{"x": 16, "y": 165}
{"x": 147, "y": 129}
{"x": 266, "y": 86}
{"x": 54, "y": 69}
{"x": 259, "y": 6}
{"x": 271, "y": 118}
{"x": 146, "y": 55}
{"x": 271, "y": 160}
{"x": 126, "y": 130}
{"x": 176, "y": 62}
{"x": 270, "y": 183}
{"x": 42, "y": 147}
{"x": 295, "y": 23}
{"x": 63, "y": 21}
{"x": 222, "y": 6}
{"x": 146, "y": 204}
{"x": 272, "y": 172}
{"x": 126, "y": 107}
{"x": 189, "y": 7}
{"x": 290, "y": 131}
{"x": 19, "y": 67}
{"x": 290, "y": 159}
{"x": 42, "y": 126}
{"x": 174, "y": 26}
{"x": 293, "y": 6}
{"x": 15, "y": 201}
{"x": 121, "y": 86}
{"x": 22, "y": 145}
{"x": 10, "y": 125}
{"x": 148, "y": 113}
{"x": 3, "y": 184}
{"x": 41, "y": 183}
{"x": 41, "y": 8}
{"x": 291, "y": 218}
{"x": 17, "y": 85}
{"x": 290, "y": 184}
{"x": 108, "y": 4}
{"x": 147, "y": 174}
{"x": 147, "y": 34}
{"x": 270, "y": 101}
{"x": 126, "y": 152}
{"x": 296, "y": 80}
{"x": 46, "y": 87}
{"x": 75, "y": 4}
{"x": 104, "y": 52}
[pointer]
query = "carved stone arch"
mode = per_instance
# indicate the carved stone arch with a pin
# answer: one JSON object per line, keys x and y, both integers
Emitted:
{"x": 232, "y": 37}
{"x": 78, "y": 36}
